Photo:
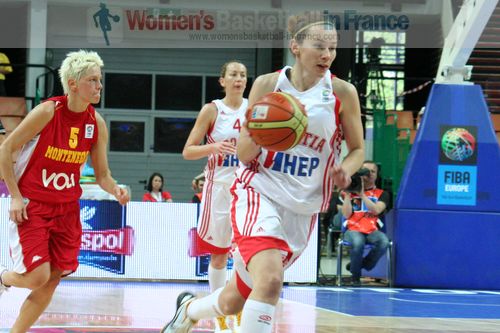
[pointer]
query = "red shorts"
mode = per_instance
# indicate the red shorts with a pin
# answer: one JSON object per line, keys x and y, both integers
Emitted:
{"x": 52, "y": 234}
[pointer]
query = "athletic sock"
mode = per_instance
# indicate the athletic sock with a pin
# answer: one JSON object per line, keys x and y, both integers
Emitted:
{"x": 257, "y": 317}
{"x": 206, "y": 307}
{"x": 216, "y": 278}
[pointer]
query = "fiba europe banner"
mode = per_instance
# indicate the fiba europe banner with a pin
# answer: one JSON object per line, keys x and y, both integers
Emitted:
{"x": 457, "y": 170}
{"x": 145, "y": 240}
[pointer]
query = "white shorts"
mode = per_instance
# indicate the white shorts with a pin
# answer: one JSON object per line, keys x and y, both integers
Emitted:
{"x": 259, "y": 224}
{"x": 214, "y": 222}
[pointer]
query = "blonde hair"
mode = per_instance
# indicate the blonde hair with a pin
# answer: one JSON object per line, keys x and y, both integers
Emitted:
{"x": 77, "y": 64}
{"x": 298, "y": 25}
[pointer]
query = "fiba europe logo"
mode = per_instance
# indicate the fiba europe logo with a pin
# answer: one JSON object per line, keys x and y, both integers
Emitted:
{"x": 458, "y": 144}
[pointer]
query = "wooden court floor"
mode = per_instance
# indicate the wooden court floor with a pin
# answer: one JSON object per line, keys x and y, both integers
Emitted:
{"x": 83, "y": 306}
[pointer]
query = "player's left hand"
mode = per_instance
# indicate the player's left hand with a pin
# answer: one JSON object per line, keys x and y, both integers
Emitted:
{"x": 340, "y": 177}
{"x": 121, "y": 195}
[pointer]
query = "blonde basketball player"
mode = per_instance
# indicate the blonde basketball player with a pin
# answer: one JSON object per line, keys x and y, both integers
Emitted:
{"x": 56, "y": 137}
{"x": 277, "y": 195}
{"x": 219, "y": 123}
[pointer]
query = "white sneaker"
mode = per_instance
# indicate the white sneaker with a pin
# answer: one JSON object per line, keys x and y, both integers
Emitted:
{"x": 221, "y": 325}
{"x": 181, "y": 323}
{"x": 3, "y": 287}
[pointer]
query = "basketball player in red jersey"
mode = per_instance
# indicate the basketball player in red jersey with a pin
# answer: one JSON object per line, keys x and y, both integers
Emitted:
{"x": 219, "y": 122}
{"x": 56, "y": 138}
{"x": 277, "y": 195}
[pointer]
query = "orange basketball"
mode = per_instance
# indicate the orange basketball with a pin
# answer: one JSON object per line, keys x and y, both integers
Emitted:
{"x": 278, "y": 121}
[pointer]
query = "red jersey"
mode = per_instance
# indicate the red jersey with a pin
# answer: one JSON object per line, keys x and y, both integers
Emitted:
{"x": 48, "y": 167}
{"x": 149, "y": 197}
{"x": 362, "y": 219}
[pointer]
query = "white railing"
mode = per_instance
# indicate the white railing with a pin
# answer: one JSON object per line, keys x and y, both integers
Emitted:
{"x": 462, "y": 39}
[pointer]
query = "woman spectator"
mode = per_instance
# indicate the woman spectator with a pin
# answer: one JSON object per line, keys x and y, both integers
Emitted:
{"x": 155, "y": 191}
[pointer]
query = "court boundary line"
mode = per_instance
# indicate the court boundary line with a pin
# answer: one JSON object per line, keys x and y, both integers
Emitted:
{"x": 447, "y": 303}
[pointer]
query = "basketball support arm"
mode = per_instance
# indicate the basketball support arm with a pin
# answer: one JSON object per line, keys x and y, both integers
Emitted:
{"x": 461, "y": 40}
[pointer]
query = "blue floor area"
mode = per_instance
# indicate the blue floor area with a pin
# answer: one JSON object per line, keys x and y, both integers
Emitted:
{"x": 385, "y": 302}
{"x": 378, "y": 302}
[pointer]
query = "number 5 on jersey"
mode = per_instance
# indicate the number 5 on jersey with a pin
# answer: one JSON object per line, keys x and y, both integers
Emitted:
{"x": 73, "y": 137}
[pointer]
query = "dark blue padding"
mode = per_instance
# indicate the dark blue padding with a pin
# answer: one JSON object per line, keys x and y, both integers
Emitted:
{"x": 443, "y": 249}
{"x": 453, "y": 244}
{"x": 454, "y": 105}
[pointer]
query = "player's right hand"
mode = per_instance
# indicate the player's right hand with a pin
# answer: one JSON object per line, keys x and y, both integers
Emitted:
{"x": 17, "y": 212}
{"x": 224, "y": 147}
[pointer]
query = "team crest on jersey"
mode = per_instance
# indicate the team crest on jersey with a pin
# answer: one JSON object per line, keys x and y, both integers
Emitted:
{"x": 89, "y": 131}
{"x": 326, "y": 94}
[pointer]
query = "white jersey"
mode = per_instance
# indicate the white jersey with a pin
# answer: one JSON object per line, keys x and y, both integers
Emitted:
{"x": 299, "y": 178}
{"x": 221, "y": 168}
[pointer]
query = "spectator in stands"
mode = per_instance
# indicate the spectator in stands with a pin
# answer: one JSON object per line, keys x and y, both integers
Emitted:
{"x": 362, "y": 212}
{"x": 197, "y": 185}
{"x": 4, "y": 69}
{"x": 155, "y": 191}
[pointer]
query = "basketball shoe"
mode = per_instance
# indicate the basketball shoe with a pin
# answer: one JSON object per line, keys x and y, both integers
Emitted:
{"x": 181, "y": 323}
{"x": 221, "y": 325}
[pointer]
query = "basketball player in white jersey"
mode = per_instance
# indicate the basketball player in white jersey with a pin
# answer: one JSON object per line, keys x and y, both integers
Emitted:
{"x": 277, "y": 195}
{"x": 219, "y": 123}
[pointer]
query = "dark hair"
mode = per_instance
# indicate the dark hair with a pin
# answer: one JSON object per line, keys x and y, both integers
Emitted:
{"x": 223, "y": 68}
{"x": 374, "y": 163}
{"x": 378, "y": 180}
{"x": 149, "y": 186}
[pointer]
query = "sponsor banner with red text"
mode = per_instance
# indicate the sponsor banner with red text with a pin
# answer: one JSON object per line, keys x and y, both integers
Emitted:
{"x": 144, "y": 240}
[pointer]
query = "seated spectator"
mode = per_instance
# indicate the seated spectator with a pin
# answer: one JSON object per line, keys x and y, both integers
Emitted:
{"x": 155, "y": 190}
{"x": 197, "y": 185}
{"x": 362, "y": 211}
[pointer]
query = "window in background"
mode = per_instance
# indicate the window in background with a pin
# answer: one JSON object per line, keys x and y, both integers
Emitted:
{"x": 392, "y": 51}
{"x": 178, "y": 92}
{"x": 384, "y": 56}
{"x": 171, "y": 134}
{"x": 213, "y": 90}
{"x": 128, "y": 91}
{"x": 127, "y": 136}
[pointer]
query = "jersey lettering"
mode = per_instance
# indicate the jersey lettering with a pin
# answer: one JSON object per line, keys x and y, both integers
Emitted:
{"x": 313, "y": 141}
{"x": 59, "y": 181}
{"x": 230, "y": 161}
{"x": 301, "y": 166}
